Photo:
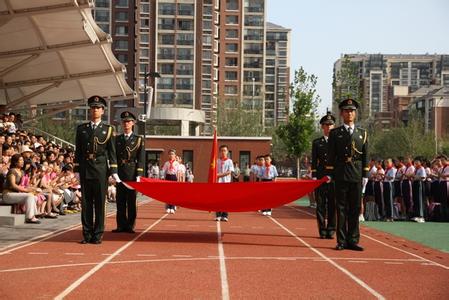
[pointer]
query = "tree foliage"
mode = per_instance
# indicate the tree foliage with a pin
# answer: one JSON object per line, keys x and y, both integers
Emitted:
{"x": 403, "y": 140}
{"x": 296, "y": 134}
{"x": 347, "y": 84}
{"x": 238, "y": 121}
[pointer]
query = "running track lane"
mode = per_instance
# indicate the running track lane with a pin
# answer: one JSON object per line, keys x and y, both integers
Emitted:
{"x": 177, "y": 259}
{"x": 404, "y": 273}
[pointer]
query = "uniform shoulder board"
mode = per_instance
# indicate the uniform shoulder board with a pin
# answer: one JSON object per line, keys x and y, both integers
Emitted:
{"x": 83, "y": 125}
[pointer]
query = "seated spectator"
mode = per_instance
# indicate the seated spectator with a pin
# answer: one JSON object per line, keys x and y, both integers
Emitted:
{"x": 13, "y": 193}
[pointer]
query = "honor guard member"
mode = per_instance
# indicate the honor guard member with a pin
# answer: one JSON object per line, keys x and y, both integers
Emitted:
{"x": 348, "y": 167}
{"x": 324, "y": 194}
{"x": 131, "y": 160}
{"x": 94, "y": 158}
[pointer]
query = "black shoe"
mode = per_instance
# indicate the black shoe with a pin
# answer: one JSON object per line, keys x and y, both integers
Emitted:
{"x": 118, "y": 230}
{"x": 95, "y": 241}
{"x": 83, "y": 241}
{"x": 329, "y": 236}
{"x": 340, "y": 247}
{"x": 129, "y": 230}
{"x": 355, "y": 247}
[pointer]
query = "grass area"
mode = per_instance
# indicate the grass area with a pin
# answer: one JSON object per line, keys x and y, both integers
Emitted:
{"x": 431, "y": 234}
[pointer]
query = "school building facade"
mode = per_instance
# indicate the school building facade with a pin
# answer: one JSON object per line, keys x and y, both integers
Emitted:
{"x": 196, "y": 150}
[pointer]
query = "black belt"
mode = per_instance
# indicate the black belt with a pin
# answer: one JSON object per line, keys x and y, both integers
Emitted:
{"x": 127, "y": 161}
{"x": 93, "y": 156}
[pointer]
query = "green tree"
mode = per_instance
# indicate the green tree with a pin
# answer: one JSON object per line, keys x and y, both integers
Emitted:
{"x": 297, "y": 133}
{"x": 347, "y": 84}
{"x": 403, "y": 140}
{"x": 238, "y": 121}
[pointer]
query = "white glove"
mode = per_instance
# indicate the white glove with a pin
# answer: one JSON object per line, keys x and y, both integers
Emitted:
{"x": 138, "y": 179}
{"x": 127, "y": 186}
{"x": 329, "y": 179}
{"x": 364, "y": 182}
{"x": 313, "y": 178}
{"x": 117, "y": 179}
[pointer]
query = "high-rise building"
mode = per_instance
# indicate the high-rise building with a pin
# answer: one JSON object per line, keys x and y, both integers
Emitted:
{"x": 386, "y": 81}
{"x": 277, "y": 74}
{"x": 207, "y": 52}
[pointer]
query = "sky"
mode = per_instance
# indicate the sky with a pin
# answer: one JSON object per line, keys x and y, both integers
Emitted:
{"x": 322, "y": 30}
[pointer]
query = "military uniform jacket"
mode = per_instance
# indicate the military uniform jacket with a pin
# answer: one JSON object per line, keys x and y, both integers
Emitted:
{"x": 130, "y": 156}
{"x": 347, "y": 154}
{"x": 319, "y": 157}
{"x": 95, "y": 151}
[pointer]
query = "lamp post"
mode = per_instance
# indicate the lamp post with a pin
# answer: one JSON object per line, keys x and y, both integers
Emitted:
{"x": 145, "y": 117}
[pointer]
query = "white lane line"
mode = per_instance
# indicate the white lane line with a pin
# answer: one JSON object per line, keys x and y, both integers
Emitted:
{"x": 409, "y": 253}
{"x": 74, "y": 253}
{"x": 181, "y": 256}
{"x": 193, "y": 225}
{"x": 38, "y": 253}
{"x": 393, "y": 263}
{"x": 385, "y": 244}
{"x": 104, "y": 262}
{"x": 345, "y": 271}
{"x": 266, "y": 258}
{"x": 223, "y": 274}
{"x": 49, "y": 235}
{"x": 357, "y": 261}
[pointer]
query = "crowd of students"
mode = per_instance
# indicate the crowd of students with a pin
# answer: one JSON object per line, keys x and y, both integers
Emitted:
{"x": 414, "y": 189}
{"x": 36, "y": 176}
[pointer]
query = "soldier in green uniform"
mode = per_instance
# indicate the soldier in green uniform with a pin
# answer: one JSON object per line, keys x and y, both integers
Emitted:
{"x": 94, "y": 157}
{"x": 325, "y": 194}
{"x": 131, "y": 160}
{"x": 348, "y": 167}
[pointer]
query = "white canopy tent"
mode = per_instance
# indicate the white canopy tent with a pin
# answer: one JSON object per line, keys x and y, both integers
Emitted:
{"x": 52, "y": 52}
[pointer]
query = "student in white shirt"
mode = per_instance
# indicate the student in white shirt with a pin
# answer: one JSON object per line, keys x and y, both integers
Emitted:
{"x": 225, "y": 167}
{"x": 170, "y": 170}
{"x": 388, "y": 189}
{"x": 268, "y": 173}
{"x": 419, "y": 196}
{"x": 406, "y": 185}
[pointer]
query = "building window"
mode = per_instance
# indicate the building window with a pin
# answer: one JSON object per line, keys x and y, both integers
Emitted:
{"x": 166, "y": 68}
{"x": 185, "y": 39}
{"x": 184, "y": 69}
{"x": 104, "y": 27}
{"x": 166, "y": 98}
{"x": 144, "y": 38}
{"x": 167, "y": 24}
{"x": 167, "y": 39}
{"x": 184, "y": 54}
{"x": 185, "y": 24}
{"x": 230, "y": 90}
{"x": 185, "y": 9}
{"x": 121, "y": 30}
{"x": 122, "y": 16}
{"x": 232, "y": 47}
{"x": 184, "y": 99}
{"x": 102, "y": 3}
{"x": 232, "y": 20}
{"x": 184, "y": 83}
{"x": 166, "y": 53}
{"x": 231, "y": 75}
{"x": 121, "y": 3}
{"x": 232, "y": 5}
{"x": 232, "y": 33}
{"x": 123, "y": 58}
{"x": 244, "y": 159}
{"x": 167, "y": 9}
{"x": 121, "y": 45}
{"x": 102, "y": 16}
{"x": 231, "y": 62}
{"x": 187, "y": 157}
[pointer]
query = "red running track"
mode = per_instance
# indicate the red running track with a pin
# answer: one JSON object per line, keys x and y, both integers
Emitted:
{"x": 188, "y": 255}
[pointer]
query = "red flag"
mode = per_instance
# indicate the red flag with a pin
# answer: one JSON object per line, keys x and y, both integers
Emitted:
{"x": 213, "y": 160}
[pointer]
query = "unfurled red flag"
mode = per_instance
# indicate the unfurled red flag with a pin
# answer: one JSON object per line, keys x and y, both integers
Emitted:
{"x": 213, "y": 160}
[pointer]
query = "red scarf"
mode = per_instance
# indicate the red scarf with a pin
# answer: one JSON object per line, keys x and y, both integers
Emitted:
{"x": 223, "y": 162}
{"x": 267, "y": 169}
{"x": 171, "y": 167}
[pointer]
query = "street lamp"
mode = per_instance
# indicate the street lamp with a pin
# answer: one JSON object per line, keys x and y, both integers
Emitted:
{"x": 145, "y": 117}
